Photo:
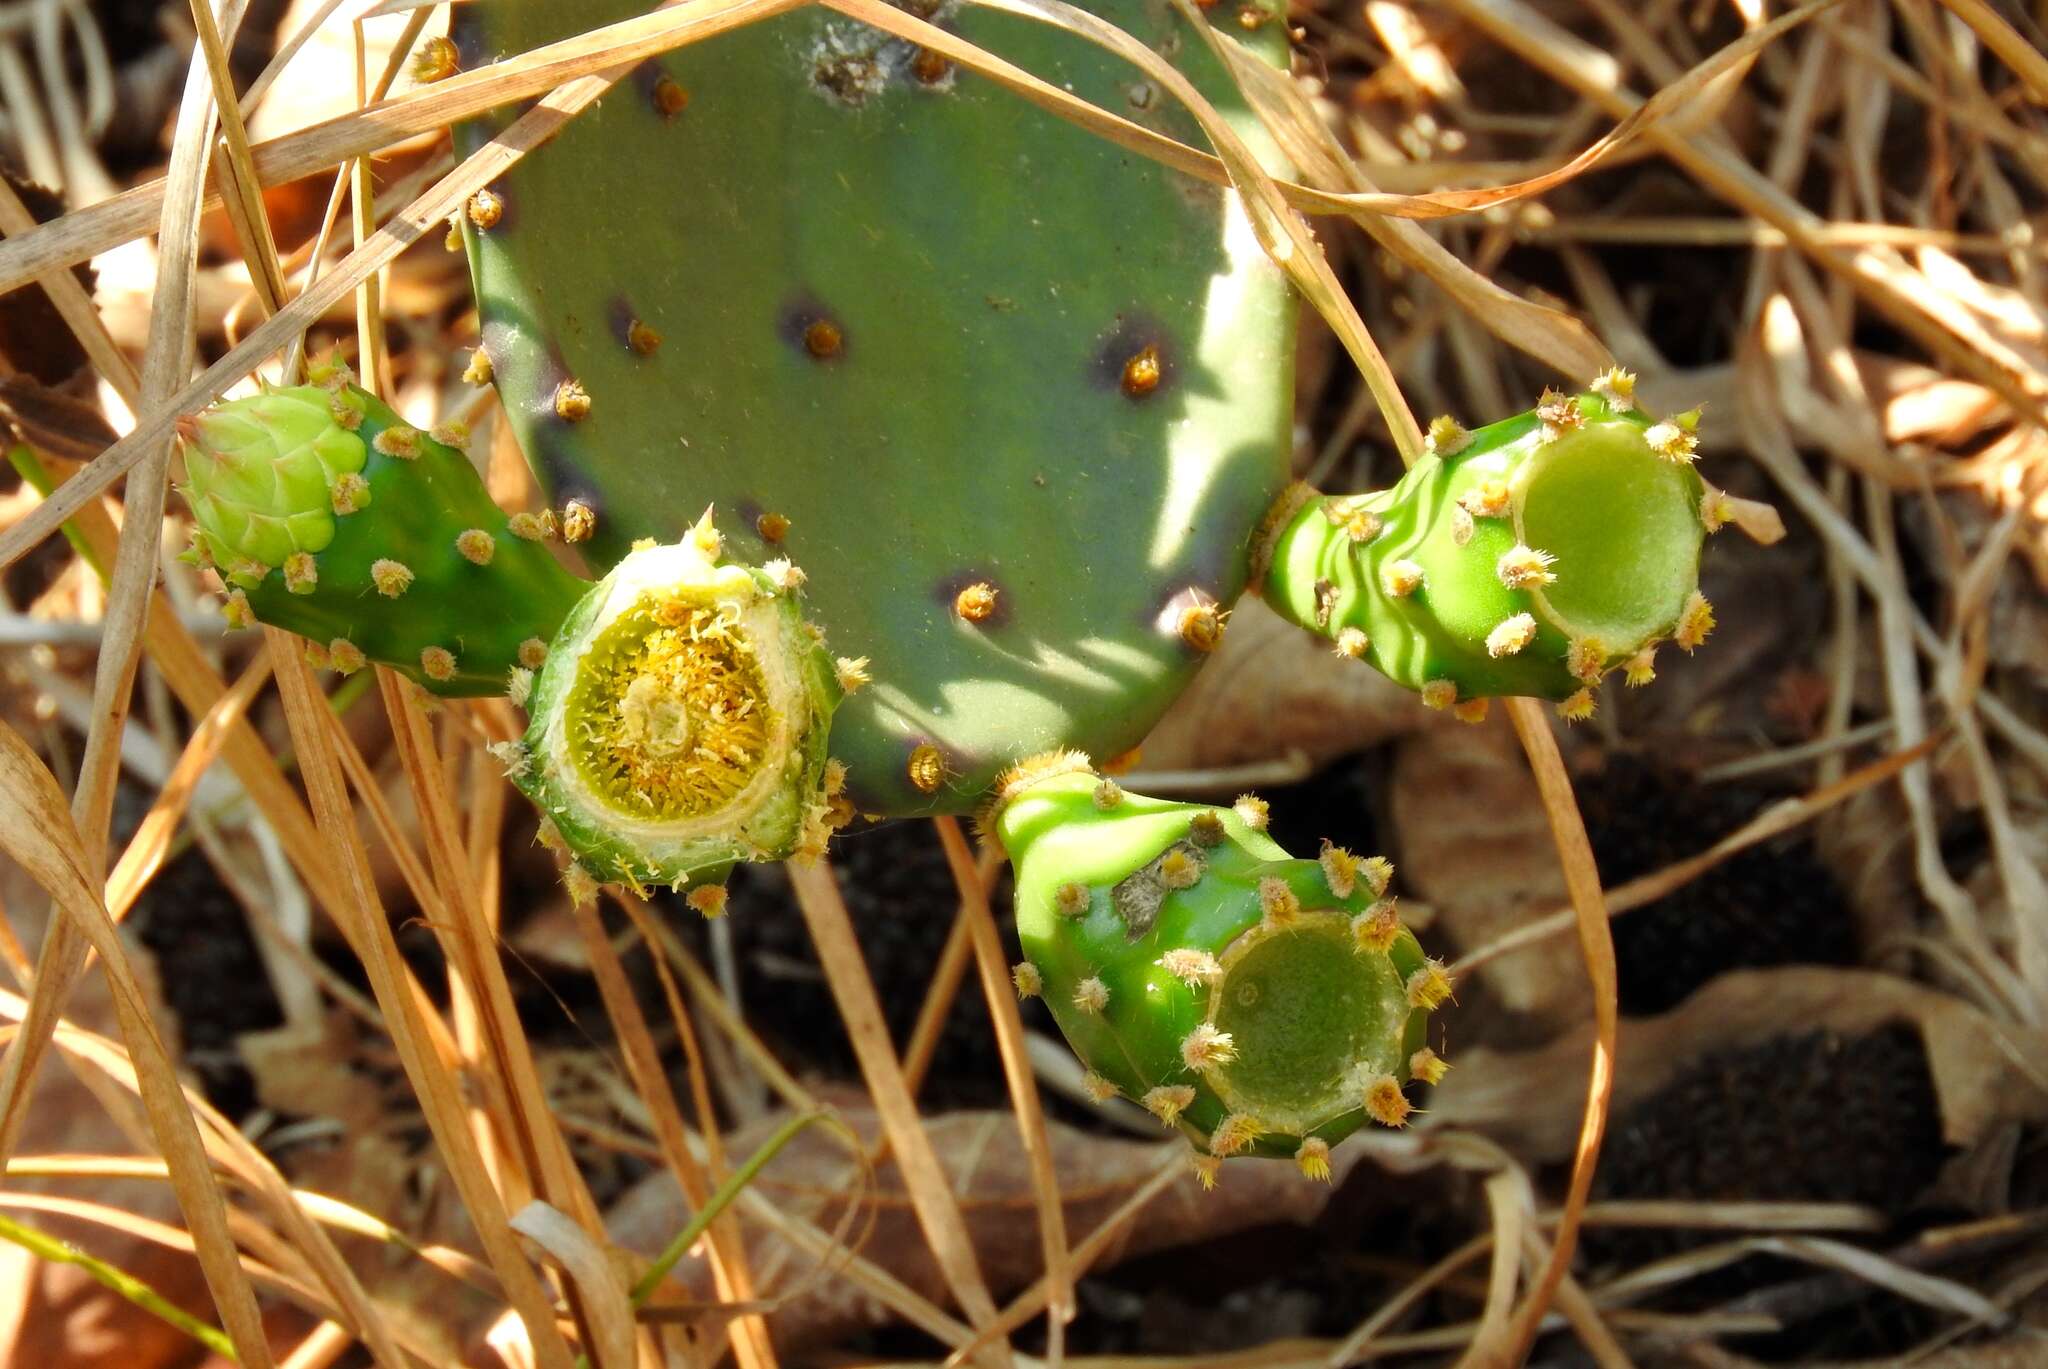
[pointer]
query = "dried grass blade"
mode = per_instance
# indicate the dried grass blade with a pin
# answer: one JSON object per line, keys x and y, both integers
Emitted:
{"x": 938, "y": 1211}
{"x": 179, "y": 659}
{"x": 419, "y": 1047}
{"x": 2001, "y": 37}
{"x": 111, "y": 1074}
{"x": 244, "y": 194}
{"x": 1009, "y": 1027}
{"x": 1646, "y": 889}
{"x": 732, "y": 1276}
{"x": 471, "y": 946}
{"x": 1894, "y": 289}
{"x": 73, "y": 303}
{"x": 145, "y": 854}
{"x": 37, "y": 831}
{"x": 606, "y": 1310}
{"x": 1596, "y": 942}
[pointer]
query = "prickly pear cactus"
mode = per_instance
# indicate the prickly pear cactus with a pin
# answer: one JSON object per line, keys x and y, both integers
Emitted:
{"x": 327, "y": 514}
{"x": 1262, "y": 1004}
{"x": 1532, "y": 556}
{"x": 1016, "y": 397}
{"x": 680, "y": 721}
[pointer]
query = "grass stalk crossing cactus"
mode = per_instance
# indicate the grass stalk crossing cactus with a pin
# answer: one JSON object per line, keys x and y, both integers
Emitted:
{"x": 1261, "y": 1003}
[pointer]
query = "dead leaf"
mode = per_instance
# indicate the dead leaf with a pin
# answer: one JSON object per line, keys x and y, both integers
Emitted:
{"x": 1471, "y": 840}
{"x": 1271, "y": 689}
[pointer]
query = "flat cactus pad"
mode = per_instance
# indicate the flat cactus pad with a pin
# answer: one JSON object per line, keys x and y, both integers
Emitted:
{"x": 1012, "y": 397}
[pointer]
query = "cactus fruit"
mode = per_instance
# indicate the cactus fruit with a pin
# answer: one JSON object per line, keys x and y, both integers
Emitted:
{"x": 925, "y": 335}
{"x": 1263, "y": 1005}
{"x": 679, "y": 722}
{"x": 327, "y": 514}
{"x": 1532, "y": 556}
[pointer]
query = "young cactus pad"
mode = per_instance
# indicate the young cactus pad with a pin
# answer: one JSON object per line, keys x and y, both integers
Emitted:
{"x": 1262, "y": 1004}
{"x": 1531, "y": 556}
{"x": 680, "y": 721}
{"x": 327, "y": 515}
{"x": 1014, "y": 396}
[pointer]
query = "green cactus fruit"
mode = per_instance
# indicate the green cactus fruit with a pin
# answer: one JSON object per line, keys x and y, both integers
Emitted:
{"x": 1021, "y": 393}
{"x": 1262, "y": 1004}
{"x": 1532, "y": 556}
{"x": 679, "y": 723}
{"x": 328, "y": 515}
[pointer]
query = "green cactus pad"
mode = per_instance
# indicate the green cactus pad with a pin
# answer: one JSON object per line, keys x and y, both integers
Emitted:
{"x": 329, "y": 516}
{"x": 1014, "y": 396}
{"x": 1531, "y": 556}
{"x": 1263, "y": 1004}
{"x": 680, "y": 721}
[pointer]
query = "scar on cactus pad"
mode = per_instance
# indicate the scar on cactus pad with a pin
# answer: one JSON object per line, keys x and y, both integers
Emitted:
{"x": 1260, "y": 1004}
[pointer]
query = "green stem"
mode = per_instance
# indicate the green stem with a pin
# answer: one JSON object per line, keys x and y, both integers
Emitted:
{"x": 49, "y": 1248}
